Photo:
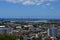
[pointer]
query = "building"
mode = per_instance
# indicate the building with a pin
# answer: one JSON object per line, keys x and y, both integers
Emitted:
{"x": 53, "y": 31}
{"x": 58, "y": 33}
{"x": 5, "y": 30}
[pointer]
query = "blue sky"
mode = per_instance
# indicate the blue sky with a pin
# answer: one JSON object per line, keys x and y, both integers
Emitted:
{"x": 45, "y": 10}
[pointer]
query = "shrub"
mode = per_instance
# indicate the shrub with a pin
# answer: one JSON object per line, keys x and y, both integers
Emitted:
{"x": 7, "y": 37}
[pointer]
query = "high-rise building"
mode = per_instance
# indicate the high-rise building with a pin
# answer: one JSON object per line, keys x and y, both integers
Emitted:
{"x": 52, "y": 32}
{"x": 58, "y": 32}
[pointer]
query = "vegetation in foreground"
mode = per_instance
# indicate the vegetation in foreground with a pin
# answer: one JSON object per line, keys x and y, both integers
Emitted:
{"x": 7, "y": 37}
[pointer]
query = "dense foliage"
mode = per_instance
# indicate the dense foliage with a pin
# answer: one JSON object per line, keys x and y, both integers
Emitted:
{"x": 58, "y": 37}
{"x": 7, "y": 37}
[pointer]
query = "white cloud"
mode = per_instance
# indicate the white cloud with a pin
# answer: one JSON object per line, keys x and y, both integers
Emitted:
{"x": 30, "y": 2}
{"x": 48, "y": 4}
{"x": 43, "y": 3}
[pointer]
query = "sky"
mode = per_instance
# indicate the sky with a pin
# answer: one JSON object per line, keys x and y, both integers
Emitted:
{"x": 42, "y": 9}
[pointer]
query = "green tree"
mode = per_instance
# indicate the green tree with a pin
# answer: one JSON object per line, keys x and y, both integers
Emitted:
{"x": 58, "y": 37}
{"x": 21, "y": 37}
{"x": 7, "y": 37}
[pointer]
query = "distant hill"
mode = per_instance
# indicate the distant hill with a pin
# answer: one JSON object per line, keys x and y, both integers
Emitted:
{"x": 27, "y": 19}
